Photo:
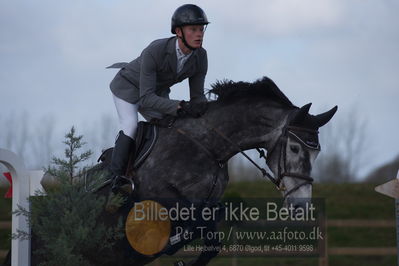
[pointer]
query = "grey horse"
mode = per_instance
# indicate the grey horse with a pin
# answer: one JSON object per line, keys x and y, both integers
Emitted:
{"x": 188, "y": 163}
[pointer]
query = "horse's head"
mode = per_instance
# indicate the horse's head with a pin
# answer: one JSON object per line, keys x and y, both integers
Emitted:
{"x": 270, "y": 120}
{"x": 294, "y": 152}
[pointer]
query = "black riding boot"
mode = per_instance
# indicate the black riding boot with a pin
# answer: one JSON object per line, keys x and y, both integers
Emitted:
{"x": 120, "y": 158}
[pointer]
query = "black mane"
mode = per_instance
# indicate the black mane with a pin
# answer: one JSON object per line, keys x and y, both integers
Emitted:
{"x": 228, "y": 90}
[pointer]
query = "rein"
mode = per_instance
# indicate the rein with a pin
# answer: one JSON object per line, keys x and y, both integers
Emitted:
{"x": 288, "y": 130}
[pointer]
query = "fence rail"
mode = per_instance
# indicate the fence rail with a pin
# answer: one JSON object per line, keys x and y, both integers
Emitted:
{"x": 358, "y": 251}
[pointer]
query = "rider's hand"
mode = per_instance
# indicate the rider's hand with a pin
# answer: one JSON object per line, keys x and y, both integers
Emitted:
{"x": 192, "y": 109}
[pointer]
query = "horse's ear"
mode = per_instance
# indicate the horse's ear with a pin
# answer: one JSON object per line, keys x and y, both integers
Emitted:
{"x": 322, "y": 119}
{"x": 301, "y": 114}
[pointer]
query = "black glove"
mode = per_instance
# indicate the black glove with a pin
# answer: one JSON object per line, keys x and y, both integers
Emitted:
{"x": 192, "y": 109}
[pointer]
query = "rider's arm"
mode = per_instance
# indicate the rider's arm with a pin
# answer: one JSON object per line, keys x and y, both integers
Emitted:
{"x": 197, "y": 81}
{"x": 148, "y": 79}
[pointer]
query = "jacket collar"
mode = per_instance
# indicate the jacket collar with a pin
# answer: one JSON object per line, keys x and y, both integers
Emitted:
{"x": 172, "y": 57}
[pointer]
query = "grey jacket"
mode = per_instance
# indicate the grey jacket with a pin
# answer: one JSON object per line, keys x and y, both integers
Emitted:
{"x": 147, "y": 79}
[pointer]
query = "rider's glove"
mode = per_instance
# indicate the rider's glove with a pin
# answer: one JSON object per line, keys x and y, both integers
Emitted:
{"x": 192, "y": 109}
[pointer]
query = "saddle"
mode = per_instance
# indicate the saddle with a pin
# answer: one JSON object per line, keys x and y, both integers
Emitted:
{"x": 146, "y": 137}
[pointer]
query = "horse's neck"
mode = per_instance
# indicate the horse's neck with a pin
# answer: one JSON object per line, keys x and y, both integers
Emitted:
{"x": 246, "y": 129}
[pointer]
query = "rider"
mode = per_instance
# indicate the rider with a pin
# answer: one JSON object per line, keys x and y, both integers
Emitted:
{"x": 143, "y": 85}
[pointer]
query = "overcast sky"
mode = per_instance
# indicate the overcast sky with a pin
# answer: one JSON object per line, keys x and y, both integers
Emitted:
{"x": 53, "y": 55}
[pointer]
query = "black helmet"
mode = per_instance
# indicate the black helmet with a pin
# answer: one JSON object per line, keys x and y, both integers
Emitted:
{"x": 188, "y": 15}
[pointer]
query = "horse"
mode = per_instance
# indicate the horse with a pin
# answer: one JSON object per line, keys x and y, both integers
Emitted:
{"x": 189, "y": 160}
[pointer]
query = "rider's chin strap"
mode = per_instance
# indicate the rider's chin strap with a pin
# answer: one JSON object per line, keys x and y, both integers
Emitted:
{"x": 184, "y": 40}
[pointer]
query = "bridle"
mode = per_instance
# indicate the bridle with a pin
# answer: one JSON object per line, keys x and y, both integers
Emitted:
{"x": 281, "y": 141}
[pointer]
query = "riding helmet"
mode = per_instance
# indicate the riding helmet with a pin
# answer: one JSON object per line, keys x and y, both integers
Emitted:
{"x": 188, "y": 15}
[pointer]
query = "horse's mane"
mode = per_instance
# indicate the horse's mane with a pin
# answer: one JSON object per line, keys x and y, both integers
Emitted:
{"x": 228, "y": 90}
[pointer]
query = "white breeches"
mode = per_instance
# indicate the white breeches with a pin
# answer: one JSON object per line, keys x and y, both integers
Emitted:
{"x": 128, "y": 117}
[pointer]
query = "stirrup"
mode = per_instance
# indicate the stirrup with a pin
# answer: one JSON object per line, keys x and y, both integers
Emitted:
{"x": 121, "y": 182}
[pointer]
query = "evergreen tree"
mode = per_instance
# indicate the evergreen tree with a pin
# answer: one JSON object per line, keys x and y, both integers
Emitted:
{"x": 67, "y": 167}
{"x": 66, "y": 222}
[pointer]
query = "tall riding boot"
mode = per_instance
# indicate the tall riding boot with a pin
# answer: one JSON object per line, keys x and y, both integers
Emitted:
{"x": 120, "y": 158}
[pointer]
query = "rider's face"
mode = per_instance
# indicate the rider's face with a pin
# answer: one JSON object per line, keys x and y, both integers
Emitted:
{"x": 194, "y": 34}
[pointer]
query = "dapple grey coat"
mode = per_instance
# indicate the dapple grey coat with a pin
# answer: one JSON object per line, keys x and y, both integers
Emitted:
{"x": 147, "y": 79}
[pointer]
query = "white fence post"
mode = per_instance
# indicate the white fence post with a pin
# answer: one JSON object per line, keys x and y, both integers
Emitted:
{"x": 20, "y": 249}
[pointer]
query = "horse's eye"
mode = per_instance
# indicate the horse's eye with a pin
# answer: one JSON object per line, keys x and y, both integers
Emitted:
{"x": 294, "y": 148}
